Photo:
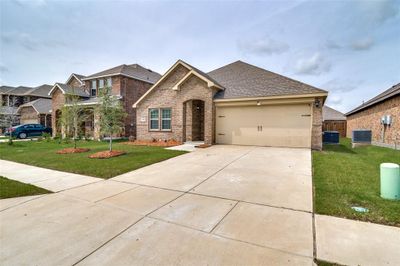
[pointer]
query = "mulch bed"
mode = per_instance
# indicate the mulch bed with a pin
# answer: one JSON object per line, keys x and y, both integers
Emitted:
{"x": 72, "y": 150}
{"x": 168, "y": 143}
{"x": 202, "y": 146}
{"x": 106, "y": 154}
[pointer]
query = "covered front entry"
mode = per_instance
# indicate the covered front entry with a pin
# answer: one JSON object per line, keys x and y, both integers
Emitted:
{"x": 286, "y": 125}
{"x": 193, "y": 120}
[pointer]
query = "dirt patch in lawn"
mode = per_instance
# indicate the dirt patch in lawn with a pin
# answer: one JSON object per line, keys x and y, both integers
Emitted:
{"x": 72, "y": 150}
{"x": 106, "y": 154}
{"x": 163, "y": 143}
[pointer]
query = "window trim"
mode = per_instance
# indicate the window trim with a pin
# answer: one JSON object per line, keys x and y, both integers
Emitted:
{"x": 159, "y": 120}
{"x": 170, "y": 119}
{"x": 93, "y": 88}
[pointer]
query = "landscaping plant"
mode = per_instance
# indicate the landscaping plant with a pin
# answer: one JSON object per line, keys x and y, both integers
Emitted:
{"x": 111, "y": 115}
{"x": 72, "y": 116}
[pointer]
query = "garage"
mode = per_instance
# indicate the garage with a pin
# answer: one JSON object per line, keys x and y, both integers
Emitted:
{"x": 266, "y": 125}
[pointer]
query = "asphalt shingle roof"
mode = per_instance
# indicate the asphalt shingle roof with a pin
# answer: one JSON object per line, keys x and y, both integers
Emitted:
{"x": 70, "y": 90}
{"x": 40, "y": 91}
{"x": 242, "y": 80}
{"x": 42, "y": 106}
{"x": 331, "y": 114}
{"x": 134, "y": 70}
{"x": 393, "y": 91}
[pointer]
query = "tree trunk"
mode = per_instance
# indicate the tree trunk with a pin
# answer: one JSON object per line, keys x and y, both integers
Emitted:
{"x": 110, "y": 143}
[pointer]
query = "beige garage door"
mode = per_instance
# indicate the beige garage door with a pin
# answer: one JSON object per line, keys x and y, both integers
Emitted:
{"x": 274, "y": 125}
{"x": 28, "y": 121}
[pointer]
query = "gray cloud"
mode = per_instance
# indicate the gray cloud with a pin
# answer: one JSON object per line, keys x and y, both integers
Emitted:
{"x": 27, "y": 41}
{"x": 331, "y": 44}
{"x": 362, "y": 44}
{"x": 316, "y": 64}
{"x": 3, "y": 68}
{"x": 380, "y": 11}
{"x": 264, "y": 46}
{"x": 340, "y": 85}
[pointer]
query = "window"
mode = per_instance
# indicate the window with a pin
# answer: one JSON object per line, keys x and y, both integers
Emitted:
{"x": 109, "y": 82}
{"x": 101, "y": 83}
{"x": 93, "y": 88}
{"x": 160, "y": 119}
{"x": 166, "y": 119}
{"x": 154, "y": 119}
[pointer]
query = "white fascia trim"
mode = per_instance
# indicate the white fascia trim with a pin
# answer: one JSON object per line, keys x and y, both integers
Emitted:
{"x": 191, "y": 71}
{"x": 273, "y": 97}
{"x": 54, "y": 87}
{"x": 73, "y": 75}
{"x": 119, "y": 74}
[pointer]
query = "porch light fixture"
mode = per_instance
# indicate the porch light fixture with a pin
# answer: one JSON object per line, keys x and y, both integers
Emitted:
{"x": 258, "y": 103}
{"x": 317, "y": 103}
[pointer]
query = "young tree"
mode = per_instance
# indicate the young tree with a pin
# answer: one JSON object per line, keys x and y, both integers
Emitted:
{"x": 111, "y": 114}
{"x": 9, "y": 116}
{"x": 72, "y": 116}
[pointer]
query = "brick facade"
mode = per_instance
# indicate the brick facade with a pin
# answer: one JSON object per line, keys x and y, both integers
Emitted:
{"x": 28, "y": 113}
{"x": 180, "y": 102}
{"x": 130, "y": 90}
{"x": 370, "y": 118}
{"x": 57, "y": 102}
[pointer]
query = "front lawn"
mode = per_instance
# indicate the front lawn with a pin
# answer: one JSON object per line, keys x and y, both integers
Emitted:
{"x": 43, "y": 154}
{"x": 346, "y": 177}
{"x": 11, "y": 188}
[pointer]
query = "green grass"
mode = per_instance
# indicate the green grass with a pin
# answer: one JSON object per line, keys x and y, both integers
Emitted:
{"x": 346, "y": 177}
{"x": 43, "y": 154}
{"x": 10, "y": 189}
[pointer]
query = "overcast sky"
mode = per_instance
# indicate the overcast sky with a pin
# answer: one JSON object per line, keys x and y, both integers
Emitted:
{"x": 351, "y": 48}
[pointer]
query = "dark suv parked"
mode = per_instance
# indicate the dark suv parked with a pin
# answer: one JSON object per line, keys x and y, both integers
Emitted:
{"x": 27, "y": 130}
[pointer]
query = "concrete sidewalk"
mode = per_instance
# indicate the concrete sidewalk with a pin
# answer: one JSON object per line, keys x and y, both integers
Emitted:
{"x": 45, "y": 178}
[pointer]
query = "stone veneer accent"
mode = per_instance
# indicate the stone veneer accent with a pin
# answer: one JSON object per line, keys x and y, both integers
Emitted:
{"x": 370, "y": 118}
{"x": 163, "y": 96}
{"x": 316, "y": 131}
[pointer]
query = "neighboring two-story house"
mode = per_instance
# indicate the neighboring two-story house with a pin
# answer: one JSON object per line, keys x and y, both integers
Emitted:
{"x": 16, "y": 108}
{"x": 128, "y": 82}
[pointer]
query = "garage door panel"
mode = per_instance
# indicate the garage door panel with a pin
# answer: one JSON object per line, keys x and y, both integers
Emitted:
{"x": 283, "y": 126}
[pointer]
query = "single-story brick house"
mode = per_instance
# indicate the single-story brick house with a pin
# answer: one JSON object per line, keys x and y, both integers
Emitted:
{"x": 128, "y": 82}
{"x": 369, "y": 115}
{"x": 36, "y": 112}
{"x": 236, "y": 104}
{"x": 333, "y": 120}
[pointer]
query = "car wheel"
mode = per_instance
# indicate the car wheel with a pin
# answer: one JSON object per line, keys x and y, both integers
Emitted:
{"x": 22, "y": 135}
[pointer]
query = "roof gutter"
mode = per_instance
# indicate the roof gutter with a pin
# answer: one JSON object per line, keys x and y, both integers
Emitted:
{"x": 313, "y": 95}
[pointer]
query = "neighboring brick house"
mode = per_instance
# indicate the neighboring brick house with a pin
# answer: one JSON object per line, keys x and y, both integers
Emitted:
{"x": 235, "y": 104}
{"x": 36, "y": 112}
{"x": 333, "y": 120}
{"x": 13, "y": 97}
{"x": 128, "y": 82}
{"x": 369, "y": 115}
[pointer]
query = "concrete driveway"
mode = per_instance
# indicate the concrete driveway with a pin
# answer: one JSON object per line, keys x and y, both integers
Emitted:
{"x": 225, "y": 205}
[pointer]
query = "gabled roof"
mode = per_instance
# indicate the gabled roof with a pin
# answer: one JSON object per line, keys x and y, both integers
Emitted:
{"x": 192, "y": 71}
{"x": 41, "y": 106}
{"x": 331, "y": 114}
{"x": 134, "y": 71}
{"x": 78, "y": 77}
{"x": 66, "y": 89}
{"x": 40, "y": 91}
{"x": 387, "y": 94}
{"x": 5, "y": 89}
{"x": 242, "y": 80}
{"x": 8, "y": 110}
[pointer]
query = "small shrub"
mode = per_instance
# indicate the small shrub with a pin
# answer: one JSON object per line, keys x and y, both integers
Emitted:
{"x": 47, "y": 136}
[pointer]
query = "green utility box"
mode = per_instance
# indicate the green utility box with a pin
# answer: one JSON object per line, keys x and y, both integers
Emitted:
{"x": 390, "y": 181}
